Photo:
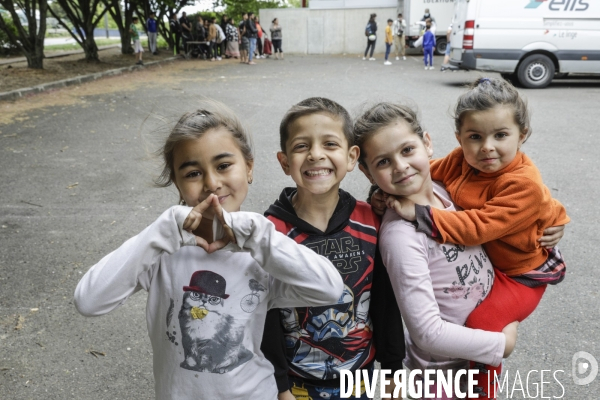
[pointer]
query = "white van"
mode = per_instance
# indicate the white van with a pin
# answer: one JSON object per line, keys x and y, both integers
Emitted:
{"x": 528, "y": 41}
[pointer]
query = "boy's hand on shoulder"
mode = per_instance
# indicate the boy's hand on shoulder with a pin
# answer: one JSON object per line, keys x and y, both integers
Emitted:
{"x": 405, "y": 208}
{"x": 552, "y": 236}
{"x": 377, "y": 202}
{"x": 192, "y": 222}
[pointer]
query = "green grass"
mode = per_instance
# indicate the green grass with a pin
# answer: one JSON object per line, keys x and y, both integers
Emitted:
{"x": 161, "y": 43}
{"x": 75, "y": 46}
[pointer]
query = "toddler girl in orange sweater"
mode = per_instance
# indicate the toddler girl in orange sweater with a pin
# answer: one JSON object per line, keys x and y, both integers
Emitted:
{"x": 506, "y": 207}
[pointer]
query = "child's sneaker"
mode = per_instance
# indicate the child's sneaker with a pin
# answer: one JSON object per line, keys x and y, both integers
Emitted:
{"x": 426, "y": 68}
{"x": 431, "y": 68}
{"x": 397, "y": 58}
{"x": 387, "y": 63}
{"x": 372, "y": 59}
{"x": 364, "y": 58}
{"x": 404, "y": 58}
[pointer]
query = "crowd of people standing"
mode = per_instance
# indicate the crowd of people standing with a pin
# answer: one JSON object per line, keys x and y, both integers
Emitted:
{"x": 247, "y": 40}
{"x": 211, "y": 40}
{"x": 395, "y": 36}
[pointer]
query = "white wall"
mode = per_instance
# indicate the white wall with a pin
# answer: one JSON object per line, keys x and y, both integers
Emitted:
{"x": 310, "y": 31}
{"x": 338, "y": 4}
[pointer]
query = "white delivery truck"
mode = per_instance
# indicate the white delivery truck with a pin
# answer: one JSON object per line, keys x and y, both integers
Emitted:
{"x": 442, "y": 12}
{"x": 529, "y": 42}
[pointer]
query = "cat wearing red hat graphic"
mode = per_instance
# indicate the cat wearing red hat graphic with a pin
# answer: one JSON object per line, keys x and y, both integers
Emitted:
{"x": 211, "y": 339}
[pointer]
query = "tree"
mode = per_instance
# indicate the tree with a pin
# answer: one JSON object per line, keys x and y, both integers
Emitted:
{"x": 163, "y": 9}
{"x": 236, "y": 8}
{"x": 123, "y": 20}
{"x": 28, "y": 38}
{"x": 84, "y": 15}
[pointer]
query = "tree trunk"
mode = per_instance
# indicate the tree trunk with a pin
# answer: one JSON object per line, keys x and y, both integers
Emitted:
{"x": 89, "y": 47}
{"x": 126, "y": 42}
{"x": 35, "y": 58}
{"x": 29, "y": 38}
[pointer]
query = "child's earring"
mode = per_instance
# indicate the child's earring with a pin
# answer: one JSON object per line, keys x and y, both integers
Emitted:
{"x": 182, "y": 202}
{"x": 250, "y": 180}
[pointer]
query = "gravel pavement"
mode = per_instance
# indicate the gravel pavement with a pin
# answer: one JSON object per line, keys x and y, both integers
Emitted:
{"x": 76, "y": 183}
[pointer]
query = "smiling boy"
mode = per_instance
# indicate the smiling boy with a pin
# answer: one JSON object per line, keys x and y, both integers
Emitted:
{"x": 309, "y": 346}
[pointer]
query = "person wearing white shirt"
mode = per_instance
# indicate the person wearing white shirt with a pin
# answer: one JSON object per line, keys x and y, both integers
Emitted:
{"x": 398, "y": 28}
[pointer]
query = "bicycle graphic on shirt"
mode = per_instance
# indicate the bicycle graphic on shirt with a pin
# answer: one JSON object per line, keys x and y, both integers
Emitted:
{"x": 250, "y": 301}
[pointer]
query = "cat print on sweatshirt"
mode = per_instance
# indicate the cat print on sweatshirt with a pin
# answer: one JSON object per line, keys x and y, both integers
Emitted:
{"x": 211, "y": 339}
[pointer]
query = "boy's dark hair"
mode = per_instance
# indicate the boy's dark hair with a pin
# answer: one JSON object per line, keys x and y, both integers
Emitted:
{"x": 135, "y": 18}
{"x": 487, "y": 93}
{"x": 314, "y": 105}
{"x": 390, "y": 20}
{"x": 250, "y": 13}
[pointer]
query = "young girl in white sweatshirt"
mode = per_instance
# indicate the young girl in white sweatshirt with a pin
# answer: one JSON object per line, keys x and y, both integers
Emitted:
{"x": 211, "y": 271}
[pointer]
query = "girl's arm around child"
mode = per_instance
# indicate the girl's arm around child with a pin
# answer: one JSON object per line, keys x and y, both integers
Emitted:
{"x": 409, "y": 270}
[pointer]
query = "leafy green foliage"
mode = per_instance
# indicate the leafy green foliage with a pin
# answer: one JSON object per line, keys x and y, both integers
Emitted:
{"x": 236, "y": 8}
{"x": 7, "y": 47}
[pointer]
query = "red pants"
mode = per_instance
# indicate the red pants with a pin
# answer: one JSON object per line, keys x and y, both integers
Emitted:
{"x": 508, "y": 301}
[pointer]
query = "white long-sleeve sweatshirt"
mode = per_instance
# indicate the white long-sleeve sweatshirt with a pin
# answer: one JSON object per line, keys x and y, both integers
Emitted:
{"x": 437, "y": 286}
{"x": 206, "y": 312}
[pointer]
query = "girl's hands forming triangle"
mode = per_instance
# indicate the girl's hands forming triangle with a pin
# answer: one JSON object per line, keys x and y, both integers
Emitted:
{"x": 192, "y": 222}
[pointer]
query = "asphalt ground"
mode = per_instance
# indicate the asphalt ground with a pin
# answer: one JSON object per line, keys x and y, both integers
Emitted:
{"x": 76, "y": 182}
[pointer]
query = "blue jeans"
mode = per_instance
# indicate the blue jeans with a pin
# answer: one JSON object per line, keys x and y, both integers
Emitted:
{"x": 388, "y": 48}
{"x": 428, "y": 55}
{"x": 252, "y": 48}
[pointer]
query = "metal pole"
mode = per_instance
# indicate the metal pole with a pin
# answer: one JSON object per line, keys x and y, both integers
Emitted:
{"x": 106, "y": 23}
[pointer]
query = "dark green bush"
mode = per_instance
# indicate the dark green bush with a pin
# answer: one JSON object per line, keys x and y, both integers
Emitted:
{"x": 6, "y": 46}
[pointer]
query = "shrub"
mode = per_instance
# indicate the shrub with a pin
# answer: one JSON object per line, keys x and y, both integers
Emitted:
{"x": 6, "y": 46}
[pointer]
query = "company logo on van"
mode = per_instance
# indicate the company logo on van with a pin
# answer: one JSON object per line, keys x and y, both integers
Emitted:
{"x": 535, "y": 3}
{"x": 560, "y": 5}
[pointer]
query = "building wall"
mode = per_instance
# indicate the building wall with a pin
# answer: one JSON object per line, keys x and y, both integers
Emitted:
{"x": 339, "y": 4}
{"x": 327, "y": 31}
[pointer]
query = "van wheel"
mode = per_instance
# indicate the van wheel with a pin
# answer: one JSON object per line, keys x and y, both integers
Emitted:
{"x": 536, "y": 71}
{"x": 440, "y": 46}
{"x": 512, "y": 78}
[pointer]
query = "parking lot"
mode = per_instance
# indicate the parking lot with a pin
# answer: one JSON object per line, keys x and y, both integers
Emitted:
{"x": 76, "y": 177}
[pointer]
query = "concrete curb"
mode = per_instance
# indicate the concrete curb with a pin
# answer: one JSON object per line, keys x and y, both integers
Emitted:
{"x": 18, "y": 93}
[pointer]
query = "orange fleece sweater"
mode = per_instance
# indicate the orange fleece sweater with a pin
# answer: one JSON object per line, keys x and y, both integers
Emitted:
{"x": 506, "y": 211}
